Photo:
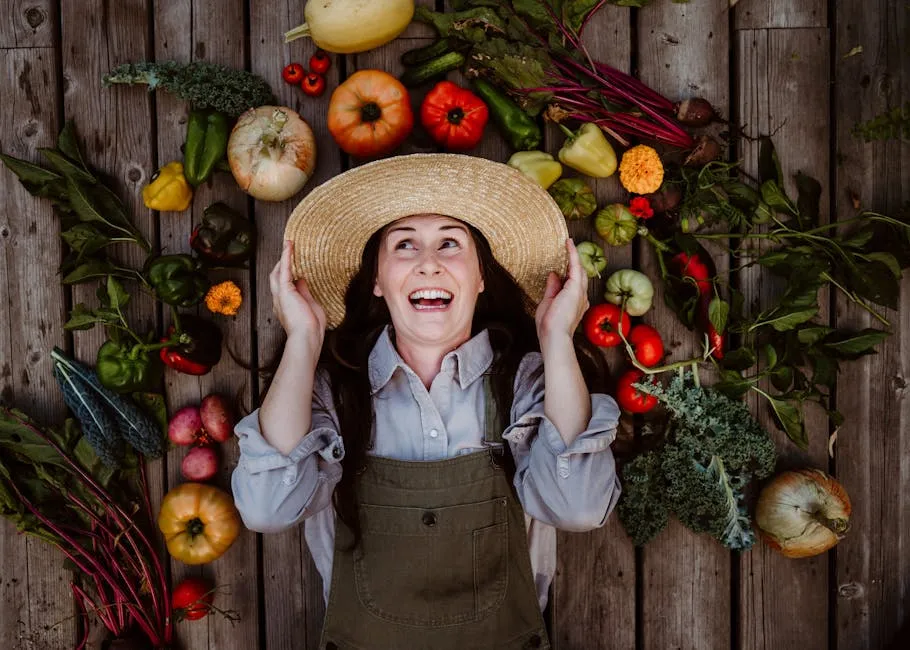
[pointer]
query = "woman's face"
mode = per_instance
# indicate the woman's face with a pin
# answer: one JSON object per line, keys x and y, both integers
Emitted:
{"x": 429, "y": 275}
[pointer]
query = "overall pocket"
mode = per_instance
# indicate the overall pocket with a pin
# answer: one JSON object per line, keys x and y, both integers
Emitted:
{"x": 433, "y": 566}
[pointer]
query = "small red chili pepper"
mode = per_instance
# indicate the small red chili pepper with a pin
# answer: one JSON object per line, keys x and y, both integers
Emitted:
{"x": 320, "y": 62}
{"x": 694, "y": 269}
{"x": 293, "y": 73}
{"x": 313, "y": 84}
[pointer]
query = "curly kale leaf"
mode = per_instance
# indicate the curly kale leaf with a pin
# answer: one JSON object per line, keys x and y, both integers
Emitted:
{"x": 642, "y": 508}
{"x": 204, "y": 85}
{"x": 714, "y": 451}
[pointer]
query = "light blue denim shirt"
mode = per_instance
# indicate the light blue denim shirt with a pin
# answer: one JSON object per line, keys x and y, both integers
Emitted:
{"x": 573, "y": 488}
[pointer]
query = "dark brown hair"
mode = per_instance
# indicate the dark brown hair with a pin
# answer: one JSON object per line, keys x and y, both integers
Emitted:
{"x": 500, "y": 309}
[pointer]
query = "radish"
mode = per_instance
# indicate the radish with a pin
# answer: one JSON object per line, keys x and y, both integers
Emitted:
{"x": 200, "y": 464}
{"x": 186, "y": 426}
{"x": 217, "y": 417}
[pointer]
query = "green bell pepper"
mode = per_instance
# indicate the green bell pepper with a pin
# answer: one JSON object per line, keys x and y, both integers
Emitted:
{"x": 224, "y": 236}
{"x": 207, "y": 134}
{"x": 520, "y": 130}
{"x": 177, "y": 280}
{"x": 128, "y": 368}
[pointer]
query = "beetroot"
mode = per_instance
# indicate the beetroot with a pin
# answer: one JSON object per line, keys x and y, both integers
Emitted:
{"x": 217, "y": 417}
{"x": 200, "y": 464}
{"x": 186, "y": 426}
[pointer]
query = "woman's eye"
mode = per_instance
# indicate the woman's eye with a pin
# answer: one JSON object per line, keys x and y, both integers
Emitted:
{"x": 404, "y": 243}
{"x": 449, "y": 241}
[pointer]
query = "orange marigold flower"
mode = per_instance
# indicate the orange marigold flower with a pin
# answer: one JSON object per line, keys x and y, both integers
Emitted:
{"x": 640, "y": 170}
{"x": 224, "y": 298}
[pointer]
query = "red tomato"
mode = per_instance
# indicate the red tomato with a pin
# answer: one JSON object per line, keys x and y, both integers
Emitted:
{"x": 320, "y": 62}
{"x": 631, "y": 399}
{"x": 313, "y": 84}
{"x": 192, "y": 598}
{"x": 601, "y": 322}
{"x": 293, "y": 73}
{"x": 649, "y": 348}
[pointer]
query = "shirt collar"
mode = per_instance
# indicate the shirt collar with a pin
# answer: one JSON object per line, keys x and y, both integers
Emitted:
{"x": 473, "y": 358}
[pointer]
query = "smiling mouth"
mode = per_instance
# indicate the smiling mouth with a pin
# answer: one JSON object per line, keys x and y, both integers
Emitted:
{"x": 431, "y": 299}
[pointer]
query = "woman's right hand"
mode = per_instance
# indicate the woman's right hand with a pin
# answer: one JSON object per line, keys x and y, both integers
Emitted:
{"x": 301, "y": 316}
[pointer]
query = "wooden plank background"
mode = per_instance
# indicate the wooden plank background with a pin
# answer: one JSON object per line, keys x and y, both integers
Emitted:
{"x": 766, "y": 64}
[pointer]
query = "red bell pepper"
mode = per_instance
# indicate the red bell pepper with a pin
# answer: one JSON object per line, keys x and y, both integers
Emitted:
{"x": 196, "y": 345}
{"x": 454, "y": 117}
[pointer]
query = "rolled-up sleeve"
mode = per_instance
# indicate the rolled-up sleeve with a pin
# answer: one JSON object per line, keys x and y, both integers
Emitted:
{"x": 571, "y": 487}
{"x": 272, "y": 491}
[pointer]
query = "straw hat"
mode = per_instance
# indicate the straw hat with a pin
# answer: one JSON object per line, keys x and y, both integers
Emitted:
{"x": 331, "y": 225}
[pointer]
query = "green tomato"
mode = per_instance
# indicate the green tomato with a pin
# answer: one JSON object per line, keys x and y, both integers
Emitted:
{"x": 632, "y": 288}
{"x": 574, "y": 198}
{"x": 593, "y": 260}
{"x": 616, "y": 224}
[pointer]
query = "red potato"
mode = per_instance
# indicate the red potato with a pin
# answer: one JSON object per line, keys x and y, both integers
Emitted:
{"x": 185, "y": 426}
{"x": 200, "y": 464}
{"x": 217, "y": 417}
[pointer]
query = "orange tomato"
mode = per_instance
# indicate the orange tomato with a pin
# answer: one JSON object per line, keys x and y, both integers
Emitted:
{"x": 199, "y": 522}
{"x": 370, "y": 114}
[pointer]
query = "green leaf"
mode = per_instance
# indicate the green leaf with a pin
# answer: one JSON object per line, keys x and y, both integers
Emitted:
{"x": 732, "y": 384}
{"x": 81, "y": 318}
{"x": 874, "y": 281}
{"x": 824, "y": 369}
{"x": 789, "y": 320}
{"x": 29, "y": 173}
{"x": 117, "y": 296}
{"x": 739, "y": 359}
{"x": 782, "y": 377}
{"x": 718, "y": 310}
{"x": 91, "y": 270}
{"x": 67, "y": 167}
{"x": 69, "y": 145}
{"x": 774, "y": 196}
{"x": 859, "y": 237}
{"x": 852, "y": 345}
{"x": 770, "y": 356}
{"x": 154, "y": 406}
{"x": 790, "y": 420}
{"x": 768, "y": 163}
{"x": 808, "y": 199}
{"x": 888, "y": 260}
{"x": 85, "y": 239}
{"x": 836, "y": 417}
{"x": 811, "y": 335}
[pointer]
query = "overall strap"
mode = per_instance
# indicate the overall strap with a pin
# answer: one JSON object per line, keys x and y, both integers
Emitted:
{"x": 492, "y": 427}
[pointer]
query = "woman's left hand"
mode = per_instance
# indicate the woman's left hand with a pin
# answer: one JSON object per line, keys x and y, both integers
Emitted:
{"x": 564, "y": 302}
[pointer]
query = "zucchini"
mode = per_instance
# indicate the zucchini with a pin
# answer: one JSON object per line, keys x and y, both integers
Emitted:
{"x": 420, "y": 54}
{"x": 431, "y": 69}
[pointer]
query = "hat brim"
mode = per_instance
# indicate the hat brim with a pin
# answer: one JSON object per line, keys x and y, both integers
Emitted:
{"x": 332, "y": 224}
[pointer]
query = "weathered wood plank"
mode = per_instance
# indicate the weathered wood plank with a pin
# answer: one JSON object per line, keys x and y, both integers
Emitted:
{"x": 209, "y": 31}
{"x": 595, "y": 578}
{"x": 34, "y": 588}
{"x": 783, "y": 76}
{"x": 873, "y": 447}
{"x": 683, "y": 52}
{"x": 293, "y": 588}
{"x": 27, "y": 23}
{"x": 760, "y": 14}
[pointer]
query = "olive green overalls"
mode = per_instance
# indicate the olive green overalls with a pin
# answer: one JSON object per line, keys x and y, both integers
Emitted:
{"x": 443, "y": 561}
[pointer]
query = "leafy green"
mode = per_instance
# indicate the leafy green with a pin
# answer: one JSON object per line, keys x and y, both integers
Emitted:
{"x": 713, "y": 451}
{"x": 893, "y": 124}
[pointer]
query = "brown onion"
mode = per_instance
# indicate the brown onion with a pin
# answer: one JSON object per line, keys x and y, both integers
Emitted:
{"x": 272, "y": 152}
{"x": 695, "y": 111}
{"x": 803, "y": 513}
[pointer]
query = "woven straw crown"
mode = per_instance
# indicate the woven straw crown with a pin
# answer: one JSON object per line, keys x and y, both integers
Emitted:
{"x": 331, "y": 225}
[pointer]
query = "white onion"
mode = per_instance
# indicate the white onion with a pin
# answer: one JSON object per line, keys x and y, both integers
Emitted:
{"x": 272, "y": 152}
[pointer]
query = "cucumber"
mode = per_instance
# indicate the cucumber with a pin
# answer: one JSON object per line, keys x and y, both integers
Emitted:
{"x": 431, "y": 69}
{"x": 420, "y": 54}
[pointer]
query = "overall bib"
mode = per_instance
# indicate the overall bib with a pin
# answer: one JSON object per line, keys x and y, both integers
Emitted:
{"x": 443, "y": 562}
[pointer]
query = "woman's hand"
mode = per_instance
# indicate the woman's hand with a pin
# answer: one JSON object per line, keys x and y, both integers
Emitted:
{"x": 564, "y": 302}
{"x": 301, "y": 316}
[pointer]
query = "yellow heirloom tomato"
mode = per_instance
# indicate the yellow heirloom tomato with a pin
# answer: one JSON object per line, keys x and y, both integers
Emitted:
{"x": 199, "y": 522}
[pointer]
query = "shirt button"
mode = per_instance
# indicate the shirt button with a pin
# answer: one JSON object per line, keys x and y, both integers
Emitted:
{"x": 429, "y": 519}
{"x": 433, "y": 433}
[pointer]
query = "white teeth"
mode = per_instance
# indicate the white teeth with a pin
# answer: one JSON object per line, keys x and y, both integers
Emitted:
{"x": 430, "y": 294}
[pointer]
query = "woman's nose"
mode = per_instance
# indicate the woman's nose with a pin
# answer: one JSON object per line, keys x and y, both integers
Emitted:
{"x": 429, "y": 265}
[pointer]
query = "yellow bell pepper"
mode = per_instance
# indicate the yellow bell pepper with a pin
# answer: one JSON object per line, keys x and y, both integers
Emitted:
{"x": 168, "y": 190}
{"x": 588, "y": 151}
{"x": 538, "y": 166}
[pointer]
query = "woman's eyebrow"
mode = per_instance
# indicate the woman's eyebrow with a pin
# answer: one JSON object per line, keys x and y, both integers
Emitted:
{"x": 412, "y": 229}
